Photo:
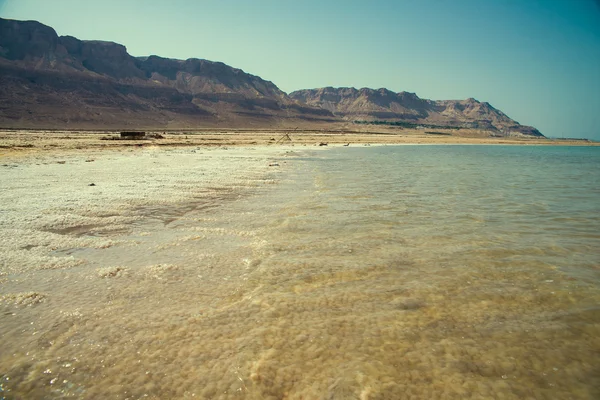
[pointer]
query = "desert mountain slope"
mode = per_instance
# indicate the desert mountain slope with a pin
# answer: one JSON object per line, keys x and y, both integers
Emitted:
{"x": 51, "y": 81}
{"x": 382, "y": 104}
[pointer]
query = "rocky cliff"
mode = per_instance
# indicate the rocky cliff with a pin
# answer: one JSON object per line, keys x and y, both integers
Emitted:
{"x": 55, "y": 81}
{"x": 51, "y": 81}
{"x": 382, "y": 104}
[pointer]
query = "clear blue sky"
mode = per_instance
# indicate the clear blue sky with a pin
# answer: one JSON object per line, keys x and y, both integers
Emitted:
{"x": 536, "y": 60}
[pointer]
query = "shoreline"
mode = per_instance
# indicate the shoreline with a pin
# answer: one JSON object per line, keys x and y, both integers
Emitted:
{"x": 93, "y": 242}
{"x": 200, "y": 271}
{"x": 54, "y": 199}
{"x": 22, "y": 142}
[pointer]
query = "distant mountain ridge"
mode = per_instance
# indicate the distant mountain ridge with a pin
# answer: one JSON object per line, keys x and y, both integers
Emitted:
{"x": 51, "y": 81}
{"x": 383, "y": 104}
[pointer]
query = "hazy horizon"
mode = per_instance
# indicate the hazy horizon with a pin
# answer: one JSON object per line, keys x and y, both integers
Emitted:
{"x": 537, "y": 61}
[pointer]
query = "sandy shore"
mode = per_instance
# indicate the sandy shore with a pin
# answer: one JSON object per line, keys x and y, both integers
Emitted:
{"x": 16, "y": 143}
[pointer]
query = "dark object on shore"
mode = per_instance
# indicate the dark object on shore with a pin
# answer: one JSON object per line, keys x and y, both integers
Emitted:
{"x": 346, "y": 145}
{"x": 322, "y": 144}
{"x": 274, "y": 165}
{"x": 132, "y": 135}
{"x": 92, "y": 184}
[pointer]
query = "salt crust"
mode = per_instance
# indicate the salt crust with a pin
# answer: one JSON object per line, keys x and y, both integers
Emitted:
{"x": 50, "y": 207}
{"x": 111, "y": 272}
{"x": 23, "y": 299}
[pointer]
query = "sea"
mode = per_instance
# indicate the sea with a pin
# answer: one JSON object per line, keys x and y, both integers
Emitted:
{"x": 359, "y": 272}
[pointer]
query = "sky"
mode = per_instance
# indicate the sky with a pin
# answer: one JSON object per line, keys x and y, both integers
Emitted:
{"x": 536, "y": 60}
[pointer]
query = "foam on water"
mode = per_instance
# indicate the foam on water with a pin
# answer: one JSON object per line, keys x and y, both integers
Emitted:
{"x": 381, "y": 273}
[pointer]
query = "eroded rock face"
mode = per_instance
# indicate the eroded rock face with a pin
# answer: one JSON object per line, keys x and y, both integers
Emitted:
{"x": 63, "y": 82}
{"x": 382, "y": 104}
{"x": 26, "y": 40}
{"x": 166, "y": 67}
{"x": 108, "y": 58}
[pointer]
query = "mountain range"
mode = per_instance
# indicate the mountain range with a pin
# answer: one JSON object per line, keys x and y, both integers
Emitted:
{"x": 61, "y": 82}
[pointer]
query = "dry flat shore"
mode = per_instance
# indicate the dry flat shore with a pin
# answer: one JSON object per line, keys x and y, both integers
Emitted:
{"x": 19, "y": 142}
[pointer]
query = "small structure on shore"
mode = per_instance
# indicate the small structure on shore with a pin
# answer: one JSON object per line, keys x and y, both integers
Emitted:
{"x": 133, "y": 135}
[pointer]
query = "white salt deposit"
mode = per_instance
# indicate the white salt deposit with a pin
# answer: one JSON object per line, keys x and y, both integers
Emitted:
{"x": 47, "y": 206}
